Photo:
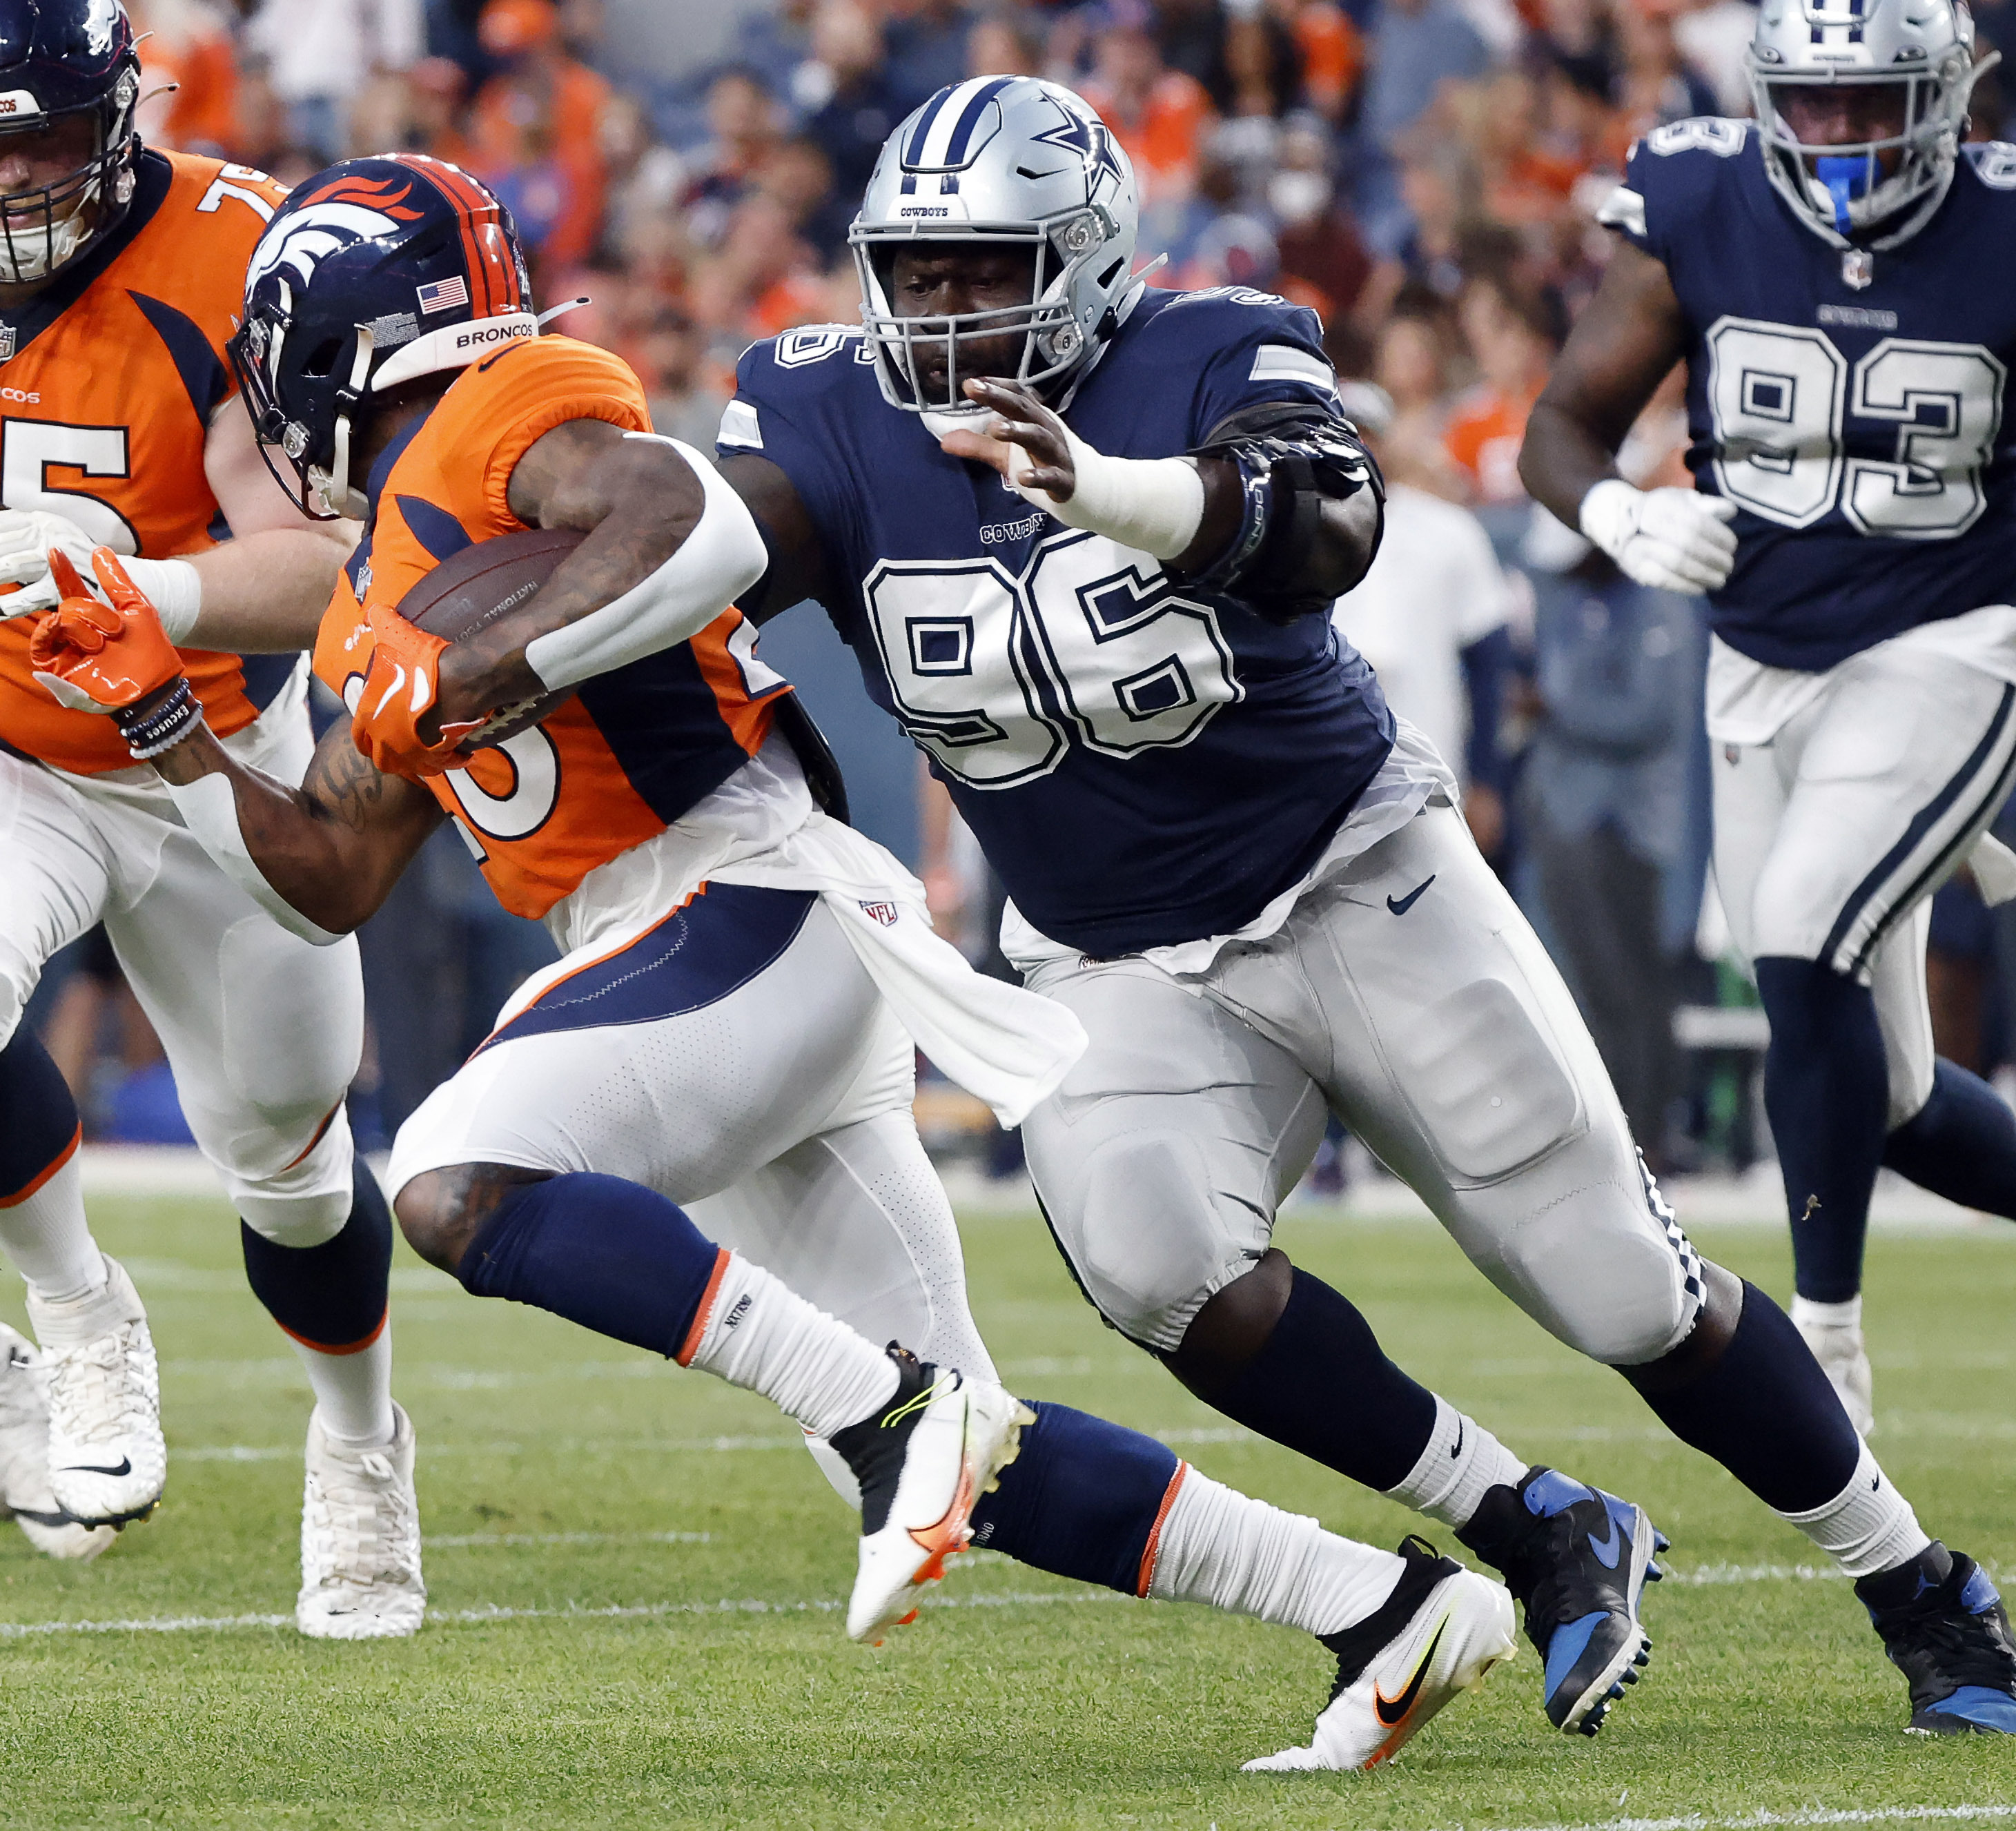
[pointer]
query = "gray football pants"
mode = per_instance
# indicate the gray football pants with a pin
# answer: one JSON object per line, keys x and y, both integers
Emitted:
{"x": 1408, "y": 995}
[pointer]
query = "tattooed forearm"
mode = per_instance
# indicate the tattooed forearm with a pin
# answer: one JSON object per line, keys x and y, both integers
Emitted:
{"x": 635, "y": 499}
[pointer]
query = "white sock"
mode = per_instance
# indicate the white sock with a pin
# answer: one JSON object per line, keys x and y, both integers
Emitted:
{"x": 1868, "y": 1527}
{"x": 353, "y": 1392}
{"x": 44, "y": 1233}
{"x": 1806, "y": 1314}
{"x": 1214, "y": 1546}
{"x": 1463, "y": 1462}
{"x": 755, "y": 1332}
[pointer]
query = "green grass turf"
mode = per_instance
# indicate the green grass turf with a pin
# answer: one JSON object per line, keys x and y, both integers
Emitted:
{"x": 742, "y": 1704}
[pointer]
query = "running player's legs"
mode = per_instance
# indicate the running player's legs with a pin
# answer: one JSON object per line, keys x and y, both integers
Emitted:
{"x": 1458, "y": 1055}
{"x": 1828, "y": 842}
{"x": 57, "y": 883}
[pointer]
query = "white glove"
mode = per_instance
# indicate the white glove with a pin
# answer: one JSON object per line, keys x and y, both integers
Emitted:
{"x": 1675, "y": 540}
{"x": 173, "y": 586}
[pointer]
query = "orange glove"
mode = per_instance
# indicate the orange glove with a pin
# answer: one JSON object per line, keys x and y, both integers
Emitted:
{"x": 96, "y": 657}
{"x": 400, "y": 688}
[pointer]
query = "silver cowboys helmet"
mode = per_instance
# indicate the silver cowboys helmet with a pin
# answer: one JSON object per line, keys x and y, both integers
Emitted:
{"x": 999, "y": 159}
{"x": 1923, "y": 47}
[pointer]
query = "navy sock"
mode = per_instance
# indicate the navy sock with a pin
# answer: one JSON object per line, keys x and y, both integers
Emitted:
{"x": 38, "y": 1122}
{"x": 611, "y": 1255}
{"x": 1765, "y": 1411}
{"x": 1827, "y": 1088}
{"x": 331, "y": 1296}
{"x": 1323, "y": 1386}
{"x": 1082, "y": 1499}
{"x": 1961, "y": 1144}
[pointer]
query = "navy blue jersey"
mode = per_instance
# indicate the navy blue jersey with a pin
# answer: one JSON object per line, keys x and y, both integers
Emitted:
{"x": 1144, "y": 764}
{"x": 1851, "y": 404}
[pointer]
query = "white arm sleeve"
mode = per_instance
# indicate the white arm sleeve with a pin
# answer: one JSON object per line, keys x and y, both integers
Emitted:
{"x": 716, "y": 562}
{"x": 210, "y": 810}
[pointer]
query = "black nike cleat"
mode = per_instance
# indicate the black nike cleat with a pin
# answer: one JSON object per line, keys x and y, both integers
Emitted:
{"x": 1438, "y": 1634}
{"x": 1578, "y": 1559}
{"x": 1944, "y": 1628}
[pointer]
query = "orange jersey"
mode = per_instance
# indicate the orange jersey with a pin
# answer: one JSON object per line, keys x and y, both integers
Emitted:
{"x": 1483, "y": 437}
{"x": 108, "y": 381}
{"x": 632, "y": 750}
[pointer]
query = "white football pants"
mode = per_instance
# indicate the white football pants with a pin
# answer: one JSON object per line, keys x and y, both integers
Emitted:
{"x": 1408, "y": 995}
{"x": 263, "y": 1031}
{"x": 776, "y": 1112}
{"x": 1831, "y": 838}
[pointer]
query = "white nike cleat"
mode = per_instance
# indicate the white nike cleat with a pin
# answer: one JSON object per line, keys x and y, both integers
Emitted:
{"x": 360, "y": 1539}
{"x": 24, "y": 1459}
{"x": 1843, "y": 1357}
{"x": 107, "y": 1463}
{"x": 1440, "y": 1631}
{"x": 923, "y": 1462}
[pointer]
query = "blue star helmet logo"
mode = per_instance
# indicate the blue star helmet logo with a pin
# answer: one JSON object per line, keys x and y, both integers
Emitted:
{"x": 1087, "y": 136}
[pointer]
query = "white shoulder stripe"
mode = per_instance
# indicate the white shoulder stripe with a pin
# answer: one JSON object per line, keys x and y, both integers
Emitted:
{"x": 1284, "y": 362}
{"x": 1624, "y": 209}
{"x": 739, "y": 427}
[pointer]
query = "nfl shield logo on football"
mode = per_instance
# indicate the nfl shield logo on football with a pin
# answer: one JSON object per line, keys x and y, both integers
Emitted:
{"x": 1858, "y": 268}
{"x": 884, "y": 913}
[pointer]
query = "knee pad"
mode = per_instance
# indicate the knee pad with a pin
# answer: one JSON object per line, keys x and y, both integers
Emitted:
{"x": 1152, "y": 1233}
{"x": 306, "y": 1202}
{"x": 1598, "y": 1270}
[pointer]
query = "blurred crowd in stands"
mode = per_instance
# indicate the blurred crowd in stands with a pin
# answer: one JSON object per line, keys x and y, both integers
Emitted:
{"x": 1426, "y": 174}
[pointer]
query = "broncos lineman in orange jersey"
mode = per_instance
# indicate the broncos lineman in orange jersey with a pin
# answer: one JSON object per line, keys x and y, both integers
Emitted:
{"x": 732, "y": 1026}
{"x": 119, "y": 270}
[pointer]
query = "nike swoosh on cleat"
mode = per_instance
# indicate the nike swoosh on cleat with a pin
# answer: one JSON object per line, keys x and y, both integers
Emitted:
{"x": 1391, "y": 1710}
{"x": 1606, "y": 1550}
{"x": 1411, "y": 897}
{"x": 125, "y": 1468}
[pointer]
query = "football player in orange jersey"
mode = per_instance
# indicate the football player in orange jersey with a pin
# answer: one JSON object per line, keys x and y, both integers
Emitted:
{"x": 119, "y": 285}
{"x": 732, "y": 1028}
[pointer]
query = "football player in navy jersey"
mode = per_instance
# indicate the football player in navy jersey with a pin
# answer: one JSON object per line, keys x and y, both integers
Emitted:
{"x": 1082, "y": 537}
{"x": 1832, "y": 276}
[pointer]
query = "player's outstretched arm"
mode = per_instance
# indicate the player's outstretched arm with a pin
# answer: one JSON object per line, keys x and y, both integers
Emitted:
{"x": 1622, "y": 348}
{"x": 1231, "y": 516}
{"x": 319, "y": 858}
{"x": 669, "y": 547}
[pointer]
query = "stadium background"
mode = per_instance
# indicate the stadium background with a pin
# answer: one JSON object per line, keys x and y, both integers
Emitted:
{"x": 1425, "y": 173}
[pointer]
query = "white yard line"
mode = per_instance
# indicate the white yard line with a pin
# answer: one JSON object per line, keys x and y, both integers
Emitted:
{"x": 498, "y": 1612}
{"x": 1761, "y": 1821}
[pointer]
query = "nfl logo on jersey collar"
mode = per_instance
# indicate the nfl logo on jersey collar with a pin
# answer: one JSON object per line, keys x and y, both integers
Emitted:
{"x": 7, "y": 340}
{"x": 1858, "y": 268}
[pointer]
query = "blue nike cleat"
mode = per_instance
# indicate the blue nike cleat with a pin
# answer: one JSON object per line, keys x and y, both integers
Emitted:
{"x": 1578, "y": 1559}
{"x": 1944, "y": 1628}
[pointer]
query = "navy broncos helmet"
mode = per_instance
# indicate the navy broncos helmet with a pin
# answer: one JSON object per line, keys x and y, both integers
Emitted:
{"x": 374, "y": 272}
{"x": 62, "y": 60}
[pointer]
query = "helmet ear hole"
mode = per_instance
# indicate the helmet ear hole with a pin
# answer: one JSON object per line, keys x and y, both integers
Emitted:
{"x": 321, "y": 359}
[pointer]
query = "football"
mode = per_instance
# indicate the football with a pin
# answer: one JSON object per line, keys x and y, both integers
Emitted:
{"x": 470, "y": 590}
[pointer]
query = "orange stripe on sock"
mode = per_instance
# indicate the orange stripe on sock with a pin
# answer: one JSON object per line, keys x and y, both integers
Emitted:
{"x": 322, "y": 1347}
{"x": 321, "y": 1131}
{"x": 690, "y": 1346}
{"x": 61, "y": 1158}
{"x": 1154, "y": 1544}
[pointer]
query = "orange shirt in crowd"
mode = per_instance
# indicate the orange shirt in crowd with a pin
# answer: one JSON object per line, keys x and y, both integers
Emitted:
{"x": 1333, "y": 54}
{"x": 1165, "y": 140}
{"x": 517, "y": 121}
{"x": 1484, "y": 436}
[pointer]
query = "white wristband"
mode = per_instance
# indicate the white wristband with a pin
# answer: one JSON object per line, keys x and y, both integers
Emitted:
{"x": 174, "y": 587}
{"x": 714, "y": 564}
{"x": 1609, "y": 514}
{"x": 209, "y": 808}
{"x": 1152, "y": 505}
